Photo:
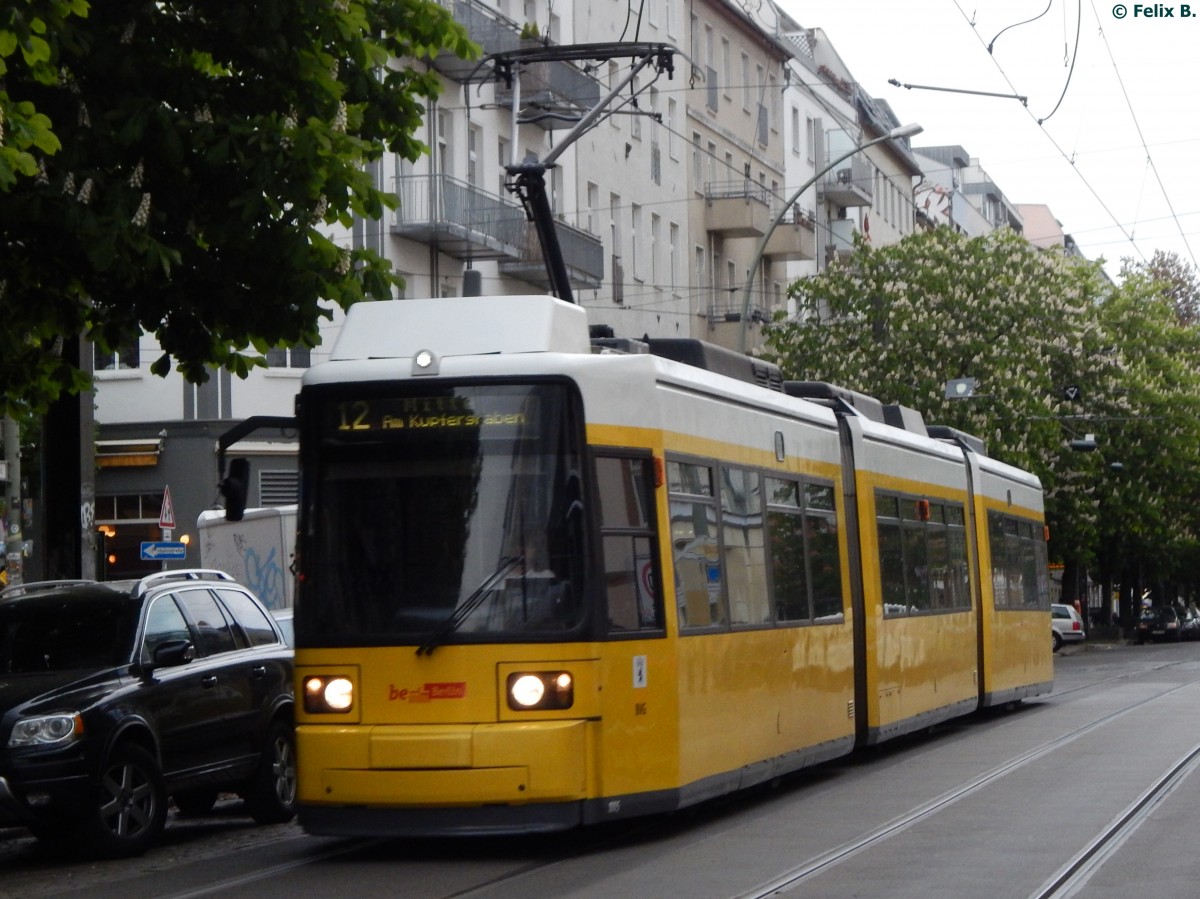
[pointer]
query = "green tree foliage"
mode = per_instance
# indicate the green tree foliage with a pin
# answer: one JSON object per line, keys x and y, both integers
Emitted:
{"x": 1152, "y": 427}
{"x": 900, "y": 321}
{"x": 26, "y": 54}
{"x": 195, "y": 154}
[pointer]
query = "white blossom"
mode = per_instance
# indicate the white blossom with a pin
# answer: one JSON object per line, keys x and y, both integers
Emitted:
{"x": 142, "y": 216}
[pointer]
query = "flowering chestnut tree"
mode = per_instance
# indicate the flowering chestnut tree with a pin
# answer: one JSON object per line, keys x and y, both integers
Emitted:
{"x": 1057, "y": 353}
{"x": 172, "y": 166}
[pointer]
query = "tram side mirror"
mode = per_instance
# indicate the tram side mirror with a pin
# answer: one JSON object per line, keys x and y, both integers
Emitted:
{"x": 233, "y": 487}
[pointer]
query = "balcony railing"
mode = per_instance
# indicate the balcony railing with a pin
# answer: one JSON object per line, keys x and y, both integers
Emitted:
{"x": 737, "y": 208}
{"x": 851, "y": 184}
{"x": 493, "y": 32}
{"x": 554, "y": 94}
{"x": 583, "y": 256}
{"x": 725, "y": 305}
{"x": 794, "y": 238}
{"x": 462, "y": 220}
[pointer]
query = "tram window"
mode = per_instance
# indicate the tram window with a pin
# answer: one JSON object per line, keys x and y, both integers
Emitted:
{"x": 819, "y": 497}
{"x": 783, "y": 493}
{"x": 824, "y": 559}
{"x": 923, "y": 556}
{"x": 1020, "y": 579}
{"x": 891, "y": 567}
{"x": 958, "y": 578}
{"x": 630, "y": 583}
{"x": 742, "y": 540}
{"x": 624, "y": 493}
{"x": 630, "y": 565}
{"x": 689, "y": 478}
{"x": 789, "y": 573}
{"x": 806, "y": 569}
{"x": 699, "y": 577}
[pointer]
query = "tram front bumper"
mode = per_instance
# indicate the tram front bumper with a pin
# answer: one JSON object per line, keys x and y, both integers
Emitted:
{"x": 443, "y": 765}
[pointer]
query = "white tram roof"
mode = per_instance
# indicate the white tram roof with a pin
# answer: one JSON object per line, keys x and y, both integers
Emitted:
{"x": 461, "y": 326}
{"x": 380, "y": 340}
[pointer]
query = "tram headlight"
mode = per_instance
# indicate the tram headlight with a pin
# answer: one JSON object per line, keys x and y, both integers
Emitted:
{"x": 328, "y": 693}
{"x": 540, "y": 690}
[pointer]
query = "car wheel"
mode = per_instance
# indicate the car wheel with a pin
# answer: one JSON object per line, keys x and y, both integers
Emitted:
{"x": 1058, "y": 640}
{"x": 128, "y": 808}
{"x": 193, "y": 803}
{"x": 272, "y": 795}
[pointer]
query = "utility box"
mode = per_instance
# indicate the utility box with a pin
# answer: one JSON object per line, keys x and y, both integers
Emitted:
{"x": 256, "y": 551}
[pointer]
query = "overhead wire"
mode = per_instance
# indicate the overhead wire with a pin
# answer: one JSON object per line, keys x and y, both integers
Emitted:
{"x": 1141, "y": 137}
{"x": 1074, "y": 57}
{"x": 1092, "y": 190}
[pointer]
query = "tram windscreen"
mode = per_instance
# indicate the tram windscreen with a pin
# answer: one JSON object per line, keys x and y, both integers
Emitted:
{"x": 442, "y": 515}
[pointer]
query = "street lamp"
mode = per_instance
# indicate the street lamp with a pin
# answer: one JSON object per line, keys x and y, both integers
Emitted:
{"x": 896, "y": 133}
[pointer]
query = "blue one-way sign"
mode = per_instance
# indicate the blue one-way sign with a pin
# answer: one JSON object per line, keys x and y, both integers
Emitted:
{"x": 161, "y": 550}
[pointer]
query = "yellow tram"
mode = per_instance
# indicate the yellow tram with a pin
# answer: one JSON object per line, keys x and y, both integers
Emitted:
{"x": 546, "y": 580}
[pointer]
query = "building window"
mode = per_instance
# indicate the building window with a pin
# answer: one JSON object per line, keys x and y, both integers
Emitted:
{"x": 474, "y": 143}
{"x": 443, "y": 142}
{"x": 672, "y": 116}
{"x": 124, "y": 358}
{"x": 673, "y": 259}
{"x": 655, "y": 227}
{"x": 613, "y": 80}
{"x": 746, "y": 87}
{"x": 593, "y": 209}
{"x": 123, "y": 523}
{"x": 726, "y": 75}
{"x": 289, "y": 357}
{"x": 635, "y": 219}
{"x": 502, "y": 154}
{"x": 635, "y": 120}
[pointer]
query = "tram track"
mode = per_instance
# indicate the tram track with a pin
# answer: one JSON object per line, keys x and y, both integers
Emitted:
{"x": 1061, "y": 884}
{"x": 1074, "y": 875}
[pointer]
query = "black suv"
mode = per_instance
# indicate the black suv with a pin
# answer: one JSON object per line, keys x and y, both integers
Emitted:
{"x": 114, "y": 696}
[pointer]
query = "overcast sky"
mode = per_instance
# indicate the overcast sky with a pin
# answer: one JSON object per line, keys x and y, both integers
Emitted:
{"x": 1114, "y": 157}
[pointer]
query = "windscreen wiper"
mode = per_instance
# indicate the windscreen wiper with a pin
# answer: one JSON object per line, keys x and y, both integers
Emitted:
{"x": 469, "y": 605}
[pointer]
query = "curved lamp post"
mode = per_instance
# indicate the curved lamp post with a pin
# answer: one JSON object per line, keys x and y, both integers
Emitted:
{"x": 899, "y": 132}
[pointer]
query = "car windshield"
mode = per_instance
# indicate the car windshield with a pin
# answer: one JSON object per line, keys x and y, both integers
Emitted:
{"x": 61, "y": 633}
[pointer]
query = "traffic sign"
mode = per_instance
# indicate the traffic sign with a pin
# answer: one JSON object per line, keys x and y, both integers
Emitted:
{"x": 166, "y": 518}
{"x": 161, "y": 550}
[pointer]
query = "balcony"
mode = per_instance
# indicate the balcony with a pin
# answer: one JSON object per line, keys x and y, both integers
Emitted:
{"x": 725, "y": 305}
{"x": 458, "y": 218}
{"x": 493, "y": 32}
{"x": 554, "y": 94}
{"x": 794, "y": 239}
{"x": 851, "y": 184}
{"x": 737, "y": 208}
{"x": 583, "y": 255}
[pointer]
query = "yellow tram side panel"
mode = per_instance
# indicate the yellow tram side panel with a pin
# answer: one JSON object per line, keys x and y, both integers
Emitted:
{"x": 918, "y": 669}
{"x": 1018, "y": 659}
{"x": 752, "y": 697}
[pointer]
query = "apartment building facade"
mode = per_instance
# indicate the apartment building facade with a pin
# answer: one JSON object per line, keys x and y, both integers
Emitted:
{"x": 660, "y": 207}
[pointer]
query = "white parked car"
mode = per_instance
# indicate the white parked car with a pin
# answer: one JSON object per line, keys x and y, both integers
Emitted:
{"x": 1066, "y": 625}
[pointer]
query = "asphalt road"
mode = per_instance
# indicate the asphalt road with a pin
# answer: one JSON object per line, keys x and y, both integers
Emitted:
{"x": 1090, "y": 791}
